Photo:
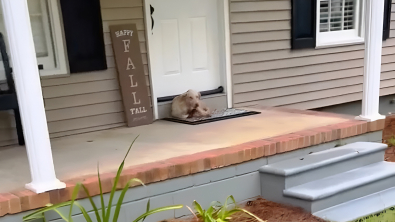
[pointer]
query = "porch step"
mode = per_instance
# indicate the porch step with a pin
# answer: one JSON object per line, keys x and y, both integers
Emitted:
{"x": 325, "y": 179}
{"x": 329, "y": 186}
{"x": 364, "y": 206}
{"x": 334, "y": 190}
{"x": 326, "y": 163}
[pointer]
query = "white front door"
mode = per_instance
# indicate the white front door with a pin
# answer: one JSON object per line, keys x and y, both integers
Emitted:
{"x": 184, "y": 46}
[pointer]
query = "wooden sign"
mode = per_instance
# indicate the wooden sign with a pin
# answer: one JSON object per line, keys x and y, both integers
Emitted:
{"x": 130, "y": 67}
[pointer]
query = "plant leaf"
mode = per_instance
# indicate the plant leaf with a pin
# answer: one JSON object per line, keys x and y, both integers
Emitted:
{"x": 198, "y": 208}
{"x": 157, "y": 210}
{"x": 92, "y": 203}
{"x": 216, "y": 204}
{"x": 233, "y": 199}
{"x": 210, "y": 210}
{"x": 114, "y": 187}
{"x": 217, "y": 207}
{"x": 122, "y": 196}
{"x": 224, "y": 209}
{"x": 43, "y": 210}
{"x": 253, "y": 215}
{"x": 209, "y": 217}
{"x": 103, "y": 207}
{"x": 148, "y": 206}
{"x": 35, "y": 217}
{"x": 86, "y": 215}
{"x": 192, "y": 212}
{"x": 73, "y": 196}
{"x": 245, "y": 211}
{"x": 130, "y": 147}
{"x": 61, "y": 215}
{"x": 44, "y": 218}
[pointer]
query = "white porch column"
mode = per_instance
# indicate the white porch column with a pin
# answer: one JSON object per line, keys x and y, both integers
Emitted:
{"x": 27, "y": 82}
{"x": 373, "y": 46}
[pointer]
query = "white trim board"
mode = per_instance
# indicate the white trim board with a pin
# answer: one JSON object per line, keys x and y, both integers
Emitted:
{"x": 228, "y": 55}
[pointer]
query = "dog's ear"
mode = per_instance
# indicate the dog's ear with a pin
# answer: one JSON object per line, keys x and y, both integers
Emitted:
{"x": 199, "y": 95}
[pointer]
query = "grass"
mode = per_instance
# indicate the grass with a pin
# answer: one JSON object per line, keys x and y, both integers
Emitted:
{"x": 383, "y": 216}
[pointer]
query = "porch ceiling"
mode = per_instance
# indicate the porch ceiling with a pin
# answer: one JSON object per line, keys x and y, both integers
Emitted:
{"x": 78, "y": 155}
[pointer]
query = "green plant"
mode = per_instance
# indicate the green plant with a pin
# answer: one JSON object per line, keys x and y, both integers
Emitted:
{"x": 218, "y": 212}
{"x": 391, "y": 141}
{"x": 103, "y": 215}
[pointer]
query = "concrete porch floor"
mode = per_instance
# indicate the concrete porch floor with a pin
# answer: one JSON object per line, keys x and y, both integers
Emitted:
{"x": 78, "y": 155}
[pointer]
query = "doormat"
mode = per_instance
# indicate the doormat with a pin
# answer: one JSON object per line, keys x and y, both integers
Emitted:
{"x": 216, "y": 115}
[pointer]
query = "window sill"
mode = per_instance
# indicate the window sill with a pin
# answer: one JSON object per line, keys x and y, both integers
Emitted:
{"x": 54, "y": 76}
{"x": 53, "y": 73}
{"x": 354, "y": 41}
{"x": 44, "y": 74}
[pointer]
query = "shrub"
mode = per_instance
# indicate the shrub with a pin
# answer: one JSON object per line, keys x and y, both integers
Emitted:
{"x": 218, "y": 212}
{"x": 391, "y": 141}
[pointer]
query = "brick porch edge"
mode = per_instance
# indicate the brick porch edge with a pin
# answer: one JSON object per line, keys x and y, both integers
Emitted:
{"x": 19, "y": 201}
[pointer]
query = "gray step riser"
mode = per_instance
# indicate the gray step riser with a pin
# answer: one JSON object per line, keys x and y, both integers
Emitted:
{"x": 367, "y": 205}
{"x": 273, "y": 191}
{"x": 322, "y": 172}
{"x": 352, "y": 194}
{"x": 333, "y": 169}
{"x": 272, "y": 187}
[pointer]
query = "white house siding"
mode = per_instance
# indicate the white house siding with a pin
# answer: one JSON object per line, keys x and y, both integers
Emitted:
{"x": 267, "y": 72}
{"x": 87, "y": 102}
{"x": 388, "y": 63}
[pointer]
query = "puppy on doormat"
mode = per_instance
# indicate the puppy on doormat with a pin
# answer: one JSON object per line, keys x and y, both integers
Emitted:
{"x": 188, "y": 105}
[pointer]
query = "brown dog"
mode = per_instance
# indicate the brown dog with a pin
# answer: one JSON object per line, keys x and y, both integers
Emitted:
{"x": 189, "y": 105}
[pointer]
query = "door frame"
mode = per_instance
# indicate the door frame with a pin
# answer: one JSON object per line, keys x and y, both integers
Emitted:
{"x": 226, "y": 77}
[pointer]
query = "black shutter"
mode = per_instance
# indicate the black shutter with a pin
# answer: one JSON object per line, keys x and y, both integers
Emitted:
{"x": 84, "y": 35}
{"x": 387, "y": 19}
{"x": 303, "y": 24}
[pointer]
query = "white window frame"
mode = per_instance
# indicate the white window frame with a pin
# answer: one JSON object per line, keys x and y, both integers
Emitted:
{"x": 56, "y": 48}
{"x": 58, "y": 41}
{"x": 344, "y": 37}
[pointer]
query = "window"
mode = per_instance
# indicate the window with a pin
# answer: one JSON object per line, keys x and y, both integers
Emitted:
{"x": 47, "y": 37}
{"x": 339, "y": 22}
{"x": 320, "y": 23}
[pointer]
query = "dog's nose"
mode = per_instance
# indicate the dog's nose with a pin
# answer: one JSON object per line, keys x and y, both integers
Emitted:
{"x": 196, "y": 105}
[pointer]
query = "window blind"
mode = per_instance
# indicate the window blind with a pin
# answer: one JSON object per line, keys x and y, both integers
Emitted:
{"x": 337, "y": 15}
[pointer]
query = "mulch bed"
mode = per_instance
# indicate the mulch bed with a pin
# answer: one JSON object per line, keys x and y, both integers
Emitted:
{"x": 270, "y": 211}
{"x": 390, "y": 154}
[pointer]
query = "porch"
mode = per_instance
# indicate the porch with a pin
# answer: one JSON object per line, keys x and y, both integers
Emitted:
{"x": 166, "y": 150}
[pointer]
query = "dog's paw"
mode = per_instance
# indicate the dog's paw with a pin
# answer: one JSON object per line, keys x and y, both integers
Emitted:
{"x": 207, "y": 114}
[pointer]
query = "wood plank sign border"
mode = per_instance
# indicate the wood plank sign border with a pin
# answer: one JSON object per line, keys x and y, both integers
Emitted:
{"x": 130, "y": 67}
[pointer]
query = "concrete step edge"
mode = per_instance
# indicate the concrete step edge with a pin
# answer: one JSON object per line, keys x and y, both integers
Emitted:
{"x": 342, "y": 182}
{"x": 320, "y": 159}
{"x": 357, "y": 208}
